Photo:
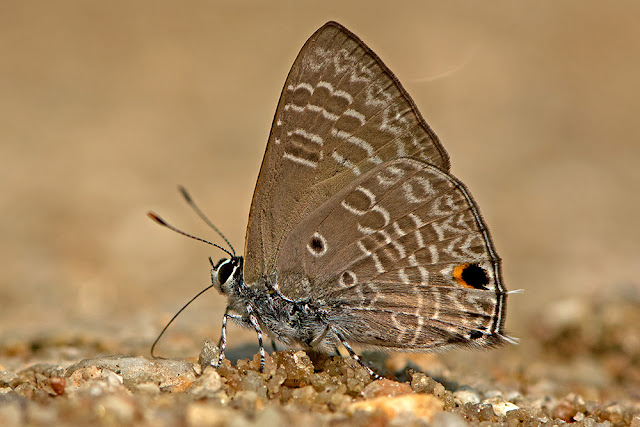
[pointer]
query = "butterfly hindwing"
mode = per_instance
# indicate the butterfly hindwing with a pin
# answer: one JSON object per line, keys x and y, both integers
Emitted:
{"x": 401, "y": 253}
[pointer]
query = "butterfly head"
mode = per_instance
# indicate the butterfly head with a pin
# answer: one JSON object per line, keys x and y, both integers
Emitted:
{"x": 226, "y": 274}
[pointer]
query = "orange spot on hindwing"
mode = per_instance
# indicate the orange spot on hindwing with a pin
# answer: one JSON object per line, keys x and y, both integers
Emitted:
{"x": 471, "y": 276}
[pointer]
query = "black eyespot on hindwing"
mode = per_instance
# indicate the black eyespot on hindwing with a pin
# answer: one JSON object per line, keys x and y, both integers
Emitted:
{"x": 471, "y": 276}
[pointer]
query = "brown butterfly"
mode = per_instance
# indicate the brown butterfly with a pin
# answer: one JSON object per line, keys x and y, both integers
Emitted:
{"x": 358, "y": 233}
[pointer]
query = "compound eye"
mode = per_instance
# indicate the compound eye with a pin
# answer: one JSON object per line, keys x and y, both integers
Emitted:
{"x": 224, "y": 271}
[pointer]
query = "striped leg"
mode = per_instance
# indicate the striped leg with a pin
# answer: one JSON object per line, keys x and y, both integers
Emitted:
{"x": 256, "y": 326}
{"x": 223, "y": 336}
{"x": 355, "y": 356}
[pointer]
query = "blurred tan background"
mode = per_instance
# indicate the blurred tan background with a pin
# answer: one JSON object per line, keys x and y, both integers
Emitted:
{"x": 106, "y": 106}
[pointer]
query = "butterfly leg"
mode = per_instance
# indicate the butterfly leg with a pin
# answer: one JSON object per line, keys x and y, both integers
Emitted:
{"x": 222, "y": 344}
{"x": 224, "y": 328}
{"x": 355, "y": 356}
{"x": 254, "y": 321}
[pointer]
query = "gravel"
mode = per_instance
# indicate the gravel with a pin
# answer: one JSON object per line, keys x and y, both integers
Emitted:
{"x": 580, "y": 365}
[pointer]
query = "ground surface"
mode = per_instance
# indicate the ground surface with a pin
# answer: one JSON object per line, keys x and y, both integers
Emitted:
{"x": 106, "y": 107}
{"x": 583, "y": 368}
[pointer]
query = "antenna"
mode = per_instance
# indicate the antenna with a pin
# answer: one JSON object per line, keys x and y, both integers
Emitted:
{"x": 164, "y": 223}
{"x": 202, "y": 216}
{"x": 175, "y": 316}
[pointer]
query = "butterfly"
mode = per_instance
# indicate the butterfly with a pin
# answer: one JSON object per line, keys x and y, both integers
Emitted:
{"x": 358, "y": 233}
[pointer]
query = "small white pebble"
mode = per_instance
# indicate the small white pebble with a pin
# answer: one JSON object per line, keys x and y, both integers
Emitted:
{"x": 501, "y": 408}
{"x": 113, "y": 379}
{"x": 466, "y": 396}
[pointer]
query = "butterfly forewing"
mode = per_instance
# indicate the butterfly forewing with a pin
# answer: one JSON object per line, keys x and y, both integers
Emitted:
{"x": 341, "y": 113}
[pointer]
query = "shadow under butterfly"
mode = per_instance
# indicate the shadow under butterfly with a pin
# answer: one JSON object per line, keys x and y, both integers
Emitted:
{"x": 358, "y": 233}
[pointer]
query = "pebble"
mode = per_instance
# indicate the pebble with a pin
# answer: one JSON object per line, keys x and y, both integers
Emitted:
{"x": 448, "y": 419}
{"x": 207, "y": 385}
{"x": 464, "y": 396}
{"x": 422, "y": 406}
{"x": 501, "y": 408}
{"x": 206, "y": 414}
{"x": 171, "y": 375}
{"x": 385, "y": 387}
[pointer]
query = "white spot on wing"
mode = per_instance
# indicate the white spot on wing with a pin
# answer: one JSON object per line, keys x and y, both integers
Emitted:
{"x": 346, "y": 163}
{"x": 356, "y": 115}
{"x": 402, "y": 275}
{"x": 307, "y": 135}
{"x": 358, "y": 142}
{"x": 373, "y": 256}
{"x": 385, "y": 215}
{"x": 352, "y": 275}
{"x": 300, "y": 160}
{"x": 356, "y": 211}
{"x": 302, "y": 85}
{"x": 390, "y": 176}
{"x": 418, "y": 183}
{"x": 418, "y": 222}
{"x": 434, "y": 254}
